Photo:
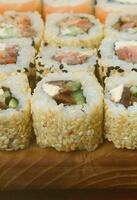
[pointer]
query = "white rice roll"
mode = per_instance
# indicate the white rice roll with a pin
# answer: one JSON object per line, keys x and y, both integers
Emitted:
{"x": 117, "y": 55}
{"x": 123, "y": 25}
{"x": 105, "y": 7}
{"x": 64, "y": 59}
{"x": 68, "y": 128}
{"x": 78, "y": 30}
{"x": 21, "y": 24}
{"x": 14, "y": 58}
{"x": 121, "y": 121}
{"x": 15, "y": 122}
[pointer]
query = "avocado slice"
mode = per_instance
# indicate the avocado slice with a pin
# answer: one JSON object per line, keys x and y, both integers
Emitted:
{"x": 79, "y": 97}
{"x": 73, "y": 85}
{"x": 133, "y": 90}
{"x": 8, "y": 32}
{"x": 74, "y": 30}
{"x": 13, "y": 103}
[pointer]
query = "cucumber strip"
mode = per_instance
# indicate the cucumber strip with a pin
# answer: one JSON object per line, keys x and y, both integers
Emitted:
{"x": 73, "y": 85}
{"x": 13, "y": 103}
{"x": 79, "y": 97}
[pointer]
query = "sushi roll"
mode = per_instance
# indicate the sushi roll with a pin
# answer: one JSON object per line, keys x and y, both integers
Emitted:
{"x": 117, "y": 55}
{"x": 64, "y": 59}
{"x": 78, "y": 30}
{"x": 13, "y": 56}
{"x": 105, "y": 7}
{"x": 121, "y": 110}
{"x": 121, "y": 25}
{"x": 62, "y": 6}
{"x": 19, "y": 24}
{"x": 15, "y": 113}
{"x": 73, "y": 116}
{"x": 20, "y": 5}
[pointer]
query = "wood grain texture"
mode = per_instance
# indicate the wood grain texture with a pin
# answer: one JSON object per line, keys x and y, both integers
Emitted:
{"x": 37, "y": 168}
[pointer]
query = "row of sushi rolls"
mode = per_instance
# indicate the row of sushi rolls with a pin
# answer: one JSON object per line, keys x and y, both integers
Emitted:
{"x": 68, "y": 74}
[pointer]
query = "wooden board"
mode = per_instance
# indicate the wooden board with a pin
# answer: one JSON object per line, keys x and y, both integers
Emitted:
{"x": 37, "y": 168}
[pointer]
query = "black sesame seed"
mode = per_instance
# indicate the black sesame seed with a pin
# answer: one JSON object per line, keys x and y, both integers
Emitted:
{"x": 99, "y": 54}
{"x": 33, "y": 43}
{"x": 31, "y": 65}
{"x": 134, "y": 69}
{"x": 120, "y": 70}
{"x": 45, "y": 44}
{"x": 82, "y": 47}
{"x": 18, "y": 70}
{"x": 111, "y": 68}
{"x": 117, "y": 67}
{"x": 40, "y": 64}
{"x": 26, "y": 70}
{"x": 59, "y": 47}
{"x": 61, "y": 66}
{"x": 40, "y": 71}
{"x": 96, "y": 65}
{"x": 65, "y": 71}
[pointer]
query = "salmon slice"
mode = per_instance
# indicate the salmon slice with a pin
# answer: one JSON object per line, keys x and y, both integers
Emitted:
{"x": 21, "y": 22}
{"x": 9, "y": 55}
{"x": 101, "y": 14}
{"x": 82, "y": 8}
{"x": 127, "y": 53}
{"x": 70, "y": 58}
{"x": 81, "y": 22}
{"x": 126, "y": 22}
{"x": 31, "y": 5}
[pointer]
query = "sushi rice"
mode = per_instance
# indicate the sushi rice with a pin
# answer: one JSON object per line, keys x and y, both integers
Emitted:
{"x": 68, "y": 128}
{"x": 115, "y": 18}
{"x": 109, "y": 60}
{"x": 57, "y": 37}
{"x": 105, "y": 7}
{"x": 120, "y": 121}
{"x": 22, "y": 19}
{"x": 22, "y": 63}
{"x": 15, "y": 123}
{"x": 64, "y": 59}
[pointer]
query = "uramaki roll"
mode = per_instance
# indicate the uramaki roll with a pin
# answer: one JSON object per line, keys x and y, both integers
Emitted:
{"x": 121, "y": 110}
{"x": 105, "y": 7}
{"x": 78, "y": 30}
{"x": 63, "y": 6}
{"x": 121, "y": 25}
{"x": 15, "y": 113}
{"x": 64, "y": 59}
{"x": 67, "y": 110}
{"x": 21, "y": 24}
{"x": 20, "y": 5}
{"x": 13, "y": 57}
{"x": 117, "y": 55}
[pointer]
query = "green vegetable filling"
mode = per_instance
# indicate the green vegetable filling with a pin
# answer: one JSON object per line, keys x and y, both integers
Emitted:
{"x": 7, "y": 100}
{"x": 9, "y": 32}
{"x": 78, "y": 97}
{"x": 133, "y": 90}
{"x": 70, "y": 93}
{"x": 74, "y": 30}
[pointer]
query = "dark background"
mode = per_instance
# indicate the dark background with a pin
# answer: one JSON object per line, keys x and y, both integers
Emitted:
{"x": 70, "y": 195}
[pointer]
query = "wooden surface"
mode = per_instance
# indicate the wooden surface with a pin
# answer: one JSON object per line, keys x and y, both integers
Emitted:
{"x": 36, "y": 168}
{"x": 70, "y": 195}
